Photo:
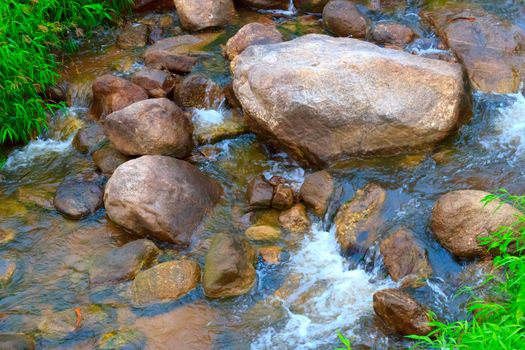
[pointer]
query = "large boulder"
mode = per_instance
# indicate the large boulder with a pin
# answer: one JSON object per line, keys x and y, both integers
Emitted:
{"x": 360, "y": 216}
{"x": 404, "y": 259}
{"x": 171, "y": 54}
{"x": 343, "y": 18}
{"x": 197, "y": 15}
{"x": 490, "y": 48}
{"x": 265, "y": 4}
{"x": 316, "y": 191}
{"x": 401, "y": 313}
{"x": 165, "y": 282}
{"x": 154, "y": 126}
{"x": 160, "y": 196}
{"x": 330, "y": 99}
{"x": 460, "y": 219}
{"x": 111, "y": 93}
{"x": 252, "y": 34}
{"x": 229, "y": 268}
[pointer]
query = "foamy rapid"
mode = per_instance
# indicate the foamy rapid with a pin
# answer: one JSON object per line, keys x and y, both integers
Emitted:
{"x": 337, "y": 297}
{"x": 34, "y": 150}
{"x": 207, "y": 117}
{"x": 289, "y": 12}
{"x": 510, "y": 126}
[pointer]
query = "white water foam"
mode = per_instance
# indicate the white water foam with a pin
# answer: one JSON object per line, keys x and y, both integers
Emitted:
{"x": 36, "y": 149}
{"x": 511, "y": 126}
{"x": 340, "y": 296}
{"x": 291, "y": 11}
{"x": 207, "y": 117}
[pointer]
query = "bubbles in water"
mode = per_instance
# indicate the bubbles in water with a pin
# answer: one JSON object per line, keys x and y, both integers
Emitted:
{"x": 207, "y": 117}
{"x": 328, "y": 297}
{"x": 36, "y": 150}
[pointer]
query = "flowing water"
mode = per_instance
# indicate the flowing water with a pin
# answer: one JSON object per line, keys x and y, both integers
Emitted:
{"x": 297, "y": 304}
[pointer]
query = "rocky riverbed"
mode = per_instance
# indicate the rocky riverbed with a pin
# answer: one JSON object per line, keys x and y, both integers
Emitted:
{"x": 260, "y": 174}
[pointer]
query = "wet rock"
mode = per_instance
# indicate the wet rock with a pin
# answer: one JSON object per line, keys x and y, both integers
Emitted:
{"x": 229, "y": 268}
{"x": 169, "y": 54}
{"x": 154, "y": 126}
{"x": 16, "y": 341}
{"x": 41, "y": 196}
{"x": 460, "y": 219}
{"x": 343, "y": 18}
{"x": 7, "y": 270}
{"x": 111, "y": 93}
{"x": 107, "y": 159}
{"x": 392, "y": 34}
{"x": 134, "y": 35}
{"x": 123, "y": 263}
{"x": 165, "y": 282}
{"x": 157, "y": 20}
{"x": 488, "y": 46}
{"x": 263, "y": 233}
{"x": 270, "y": 254}
{"x": 160, "y": 196}
{"x": 56, "y": 93}
{"x": 199, "y": 92}
{"x": 315, "y": 6}
{"x": 6, "y": 236}
{"x": 230, "y": 124}
{"x": 89, "y": 138}
{"x": 122, "y": 340}
{"x": 316, "y": 191}
{"x": 295, "y": 219}
{"x": 77, "y": 198}
{"x": 63, "y": 324}
{"x": 252, "y": 34}
{"x": 145, "y": 5}
{"x": 157, "y": 83}
{"x": 417, "y": 101}
{"x": 195, "y": 16}
{"x": 404, "y": 259}
{"x": 265, "y": 4}
{"x": 260, "y": 193}
{"x": 401, "y": 313}
{"x": 282, "y": 198}
{"x": 360, "y": 216}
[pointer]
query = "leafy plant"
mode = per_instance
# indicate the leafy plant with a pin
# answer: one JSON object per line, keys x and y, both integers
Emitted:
{"x": 497, "y": 322}
{"x": 31, "y": 34}
{"x": 345, "y": 341}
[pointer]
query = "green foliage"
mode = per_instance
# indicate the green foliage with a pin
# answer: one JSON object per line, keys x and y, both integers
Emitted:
{"x": 31, "y": 32}
{"x": 345, "y": 341}
{"x": 497, "y": 322}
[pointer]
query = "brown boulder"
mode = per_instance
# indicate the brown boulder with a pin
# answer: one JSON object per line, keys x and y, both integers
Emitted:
{"x": 263, "y": 233}
{"x": 199, "y": 92}
{"x": 197, "y": 15}
{"x": 316, "y": 191}
{"x": 315, "y": 6}
{"x": 401, "y": 313}
{"x": 111, "y": 93}
{"x": 154, "y": 126}
{"x": 252, "y": 34}
{"x": 270, "y": 254}
{"x": 360, "y": 215}
{"x": 417, "y": 102}
{"x": 229, "y": 268}
{"x": 265, "y": 4}
{"x": 165, "y": 282}
{"x": 160, "y": 196}
{"x": 283, "y": 197}
{"x": 77, "y": 198}
{"x": 171, "y": 54}
{"x": 295, "y": 219}
{"x": 89, "y": 138}
{"x": 107, "y": 159}
{"x": 123, "y": 263}
{"x": 157, "y": 83}
{"x": 343, "y": 18}
{"x": 392, "y": 34}
{"x": 259, "y": 194}
{"x": 404, "y": 259}
{"x": 459, "y": 219}
{"x": 134, "y": 35}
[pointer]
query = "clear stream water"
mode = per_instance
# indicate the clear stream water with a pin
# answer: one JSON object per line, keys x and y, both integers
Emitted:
{"x": 298, "y": 304}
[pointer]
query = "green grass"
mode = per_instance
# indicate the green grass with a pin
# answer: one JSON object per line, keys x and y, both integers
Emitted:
{"x": 498, "y": 321}
{"x": 31, "y": 35}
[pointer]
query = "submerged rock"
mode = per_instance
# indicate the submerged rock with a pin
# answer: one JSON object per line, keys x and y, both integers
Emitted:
{"x": 124, "y": 339}
{"x": 89, "y": 138}
{"x": 404, "y": 259}
{"x": 165, "y": 282}
{"x": 401, "y": 313}
{"x": 315, "y": 101}
{"x": 343, "y": 18}
{"x": 295, "y": 219}
{"x": 316, "y": 191}
{"x": 169, "y": 54}
{"x": 460, "y": 219}
{"x": 263, "y": 233}
{"x": 229, "y": 268}
{"x": 252, "y": 34}
{"x": 157, "y": 83}
{"x": 123, "y": 263}
{"x": 359, "y": 216}
{"x": 111, "y": 93}
{"x": 134, "y": 35}
{"x": 107, "y": 159}
{"x": 160, "y": 196}
{"x": 7, "y": 270}
{"x": 270, "y": 254}
{"x": 16, "y": 341}
{"x": 154, "y": 126}
{"x": 203, "y": 14}
{"x": 260, "y": 193}
{"x": 77, "y": 198}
